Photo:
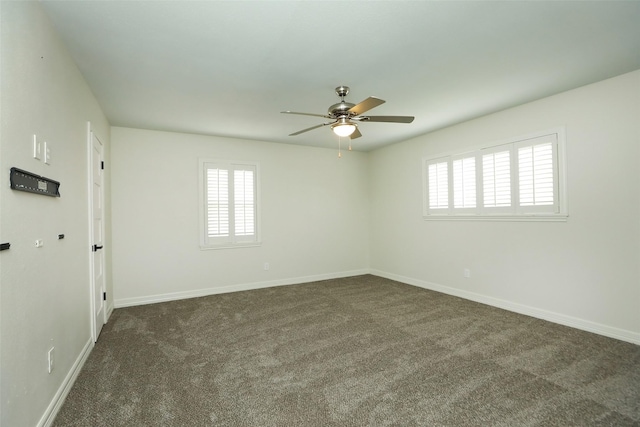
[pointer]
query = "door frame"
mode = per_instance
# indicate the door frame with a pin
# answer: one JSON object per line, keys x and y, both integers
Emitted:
{"x": 92, "y": 285}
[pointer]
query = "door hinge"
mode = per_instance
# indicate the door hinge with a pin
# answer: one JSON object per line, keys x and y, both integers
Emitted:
{"x": 104, "y": 296}
{"x": 102, "y": 165}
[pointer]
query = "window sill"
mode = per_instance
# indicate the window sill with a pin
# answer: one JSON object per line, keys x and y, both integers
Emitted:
{"x": 230, "y": 246}
{"x": 512, "y": 218}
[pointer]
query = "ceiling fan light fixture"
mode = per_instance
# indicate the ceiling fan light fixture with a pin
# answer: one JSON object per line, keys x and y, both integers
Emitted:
{"x": 343, "y": 128}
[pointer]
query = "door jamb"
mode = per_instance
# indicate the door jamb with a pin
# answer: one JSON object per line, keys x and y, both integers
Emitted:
{"x": 92, "y": 307}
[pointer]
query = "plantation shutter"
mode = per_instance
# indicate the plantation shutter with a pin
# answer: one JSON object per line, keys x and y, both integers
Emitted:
{"x": 244, "y": 201}
{"x": 217, "y": 203}
{"x": 522, "y": 179}
{"x": 438, "y": 176}
{"x": 464, "y": 183}
{"x": 230, "y": 203}
{"x": 496, "y": 179}
{"x": 537, "y": 174}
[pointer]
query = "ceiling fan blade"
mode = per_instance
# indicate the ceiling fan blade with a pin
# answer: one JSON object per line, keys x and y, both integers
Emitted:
{"x": 308, "y": 129}
{"x": 387, "y": 119}
{"x": 306, "y": 114}
{"x": 356, "y": 134}
{"x": 366, "y": 105}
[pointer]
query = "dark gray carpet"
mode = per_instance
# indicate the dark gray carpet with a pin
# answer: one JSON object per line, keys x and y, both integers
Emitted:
{"x": 360, "y": 351}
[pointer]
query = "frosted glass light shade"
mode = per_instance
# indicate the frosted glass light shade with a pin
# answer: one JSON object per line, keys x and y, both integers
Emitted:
{"x": 343, "y": 128}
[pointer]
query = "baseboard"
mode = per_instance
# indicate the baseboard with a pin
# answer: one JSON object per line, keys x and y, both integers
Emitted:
{"x": 559, "y": 318}
{"x": 55, "y": 405}
{"x": 152, "y": 299}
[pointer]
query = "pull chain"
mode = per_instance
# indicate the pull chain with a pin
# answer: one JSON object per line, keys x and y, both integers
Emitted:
{"x": 339, "y": 147}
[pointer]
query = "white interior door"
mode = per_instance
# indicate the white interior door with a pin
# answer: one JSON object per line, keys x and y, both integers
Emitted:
{"x": 97, "y": 232}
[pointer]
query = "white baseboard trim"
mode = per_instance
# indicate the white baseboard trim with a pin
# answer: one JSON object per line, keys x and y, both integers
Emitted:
{"x": 559, "y": 318}
{"x": 172, "y": 296}
{"x": 56, "y": 403}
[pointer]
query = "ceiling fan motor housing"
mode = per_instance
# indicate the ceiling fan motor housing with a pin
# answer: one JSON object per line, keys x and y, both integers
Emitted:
{"x": 340, "y": 109}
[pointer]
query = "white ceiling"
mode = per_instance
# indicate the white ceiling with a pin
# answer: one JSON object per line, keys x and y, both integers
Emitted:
{"x": 229, "y": 68}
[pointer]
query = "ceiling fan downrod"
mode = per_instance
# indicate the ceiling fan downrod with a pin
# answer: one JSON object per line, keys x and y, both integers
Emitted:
{"x": 342, "y": 91}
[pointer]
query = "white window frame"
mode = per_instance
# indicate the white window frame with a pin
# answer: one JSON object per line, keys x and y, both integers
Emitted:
{"x": 231, "y": 240}
{"x": 553, "y": 212}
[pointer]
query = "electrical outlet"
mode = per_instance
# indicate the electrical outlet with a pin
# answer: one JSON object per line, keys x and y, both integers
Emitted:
{"x": 467, "y": 273}
{"x": 266, "y": 266}
{"x": 39, "y": 243}
{"x": 50, "y": 359}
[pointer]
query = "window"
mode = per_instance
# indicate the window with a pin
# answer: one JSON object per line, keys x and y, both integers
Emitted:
{"x": 518, "y": 179}
{"x": 229, "y": 208}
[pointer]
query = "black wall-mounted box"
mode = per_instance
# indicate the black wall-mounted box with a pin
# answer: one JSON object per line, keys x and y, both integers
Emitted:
{"x": 22, "y": 180}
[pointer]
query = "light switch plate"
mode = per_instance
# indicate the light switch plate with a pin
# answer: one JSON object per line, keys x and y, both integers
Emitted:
{"x": 36, "y": 148}
{"x": 47, "y": 152}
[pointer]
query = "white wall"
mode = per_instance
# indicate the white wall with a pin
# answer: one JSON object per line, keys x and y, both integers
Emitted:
{"x": 44, "y": 293}
{"x": 314, "y": 216}
{"x": 585, "y": 272}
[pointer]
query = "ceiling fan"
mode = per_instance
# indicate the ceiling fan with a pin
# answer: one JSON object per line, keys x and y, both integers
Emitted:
{"x": 344, "y": 115}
